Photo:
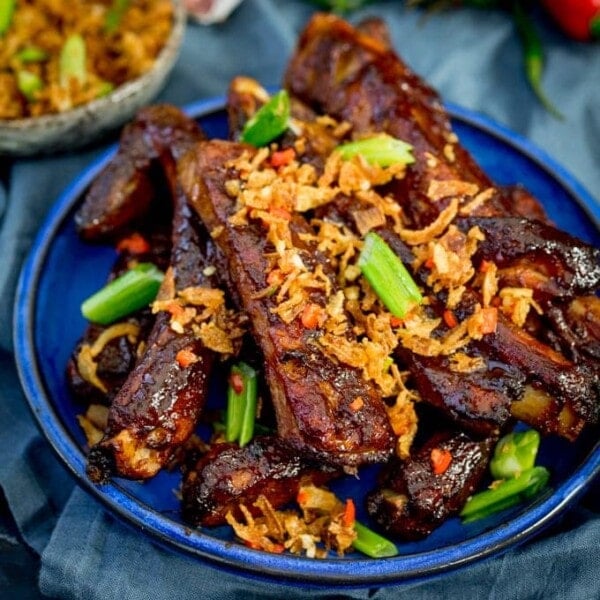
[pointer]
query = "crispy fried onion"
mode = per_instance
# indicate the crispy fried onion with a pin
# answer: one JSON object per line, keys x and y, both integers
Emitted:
{"x": 449, "y": 260}
{"x": 323, "y": 524}
{"x": 202, "y": 311}
{"x": 94, "y": 423}
{"x": 86, "y": 357}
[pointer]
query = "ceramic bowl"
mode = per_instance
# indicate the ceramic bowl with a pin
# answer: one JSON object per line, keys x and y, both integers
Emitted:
{"x": 81, "y": 125}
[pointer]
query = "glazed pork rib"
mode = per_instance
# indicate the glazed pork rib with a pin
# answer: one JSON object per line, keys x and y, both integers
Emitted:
{"x": 412, "y": 500}
{"x": 322, "y": 407}
{"x": 347, "y": 73}
{"x": 229, "y": 475}
{"x": 158, "y": 406}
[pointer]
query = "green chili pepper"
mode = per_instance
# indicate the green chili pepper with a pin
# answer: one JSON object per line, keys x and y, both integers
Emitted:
{"x": 341, "y": 6}
{"x": 7, "y": 8}
{"x": 515, "y": 453}
{"x": 533, "y": 55}
{"x": 505, "y": 494}
{"x": 269, "y": 122}
{"x": 28, "y": 83}
{"x": 71, "y": 62}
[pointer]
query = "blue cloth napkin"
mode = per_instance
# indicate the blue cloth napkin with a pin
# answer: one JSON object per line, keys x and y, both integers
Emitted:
{"x": 473, "y": 58}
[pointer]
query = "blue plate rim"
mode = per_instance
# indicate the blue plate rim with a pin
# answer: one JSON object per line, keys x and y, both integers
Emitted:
{"x": 326, "y": 572}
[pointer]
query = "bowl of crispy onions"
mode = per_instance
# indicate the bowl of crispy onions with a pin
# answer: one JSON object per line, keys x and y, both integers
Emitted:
{"x": 71, "y": 73}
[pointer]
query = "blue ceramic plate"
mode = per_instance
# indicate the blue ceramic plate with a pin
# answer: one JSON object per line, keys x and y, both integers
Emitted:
{"x": 61, "y": 271}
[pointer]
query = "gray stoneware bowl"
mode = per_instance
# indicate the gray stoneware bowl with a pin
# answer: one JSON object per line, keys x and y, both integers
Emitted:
{"x": 82, "y": 125}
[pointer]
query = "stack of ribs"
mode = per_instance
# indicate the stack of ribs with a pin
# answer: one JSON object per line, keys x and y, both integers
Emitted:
{"x": 544, "y": 371}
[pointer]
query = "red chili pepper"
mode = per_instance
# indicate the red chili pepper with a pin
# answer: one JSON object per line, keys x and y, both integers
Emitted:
{"x": 349, "y": 515}
{"x": 450, "y": 319}
{"x": 440, "y": 460}
{"x": 236, "y": 381}
{"x": 134, "y": 244}
{"x": 580, "y": 19}
{"x": 282, "y": 157}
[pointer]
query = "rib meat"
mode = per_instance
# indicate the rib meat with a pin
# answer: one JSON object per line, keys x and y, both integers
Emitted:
{"x": 344, "y": 72}
{"x": 158, "y": 406}
{"x": 228, "y": 476}
{"x": 313, "y": 396}
{"x": 412, "y": 499}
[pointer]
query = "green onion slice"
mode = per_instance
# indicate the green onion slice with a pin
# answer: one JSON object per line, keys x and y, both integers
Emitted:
{"x": 383, "y": 150}
{"x": 71, "y": 62}
{"x": 242, "y": 394}
{"x": 7, "y": 8}
{"x": 371, "y": 543}
{"x": 515, "y": 453}
{"x": 506, "y": 494}
{"x": 124, "y": 295}
{"x": 269, "y": 121}
{"x": 114, "y": 15}
{"x": 28, "y": 83}
{"x": 31, "y": 54}
{"x": 387, "y": 276}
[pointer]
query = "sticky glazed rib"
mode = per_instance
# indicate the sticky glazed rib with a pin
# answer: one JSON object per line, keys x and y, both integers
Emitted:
{"x": 315, "y": 399}
{"x": 412, "y": 500}
{"x": 365, "y": 83}
{"x": 158, "y": 406}
{"x": 347, "y": 73}
{"x": 124, "y": 190}
{"x": 228, "y": 475}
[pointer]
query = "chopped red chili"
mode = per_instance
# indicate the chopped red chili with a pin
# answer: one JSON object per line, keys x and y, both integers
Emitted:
{"x": 440, "y": 460}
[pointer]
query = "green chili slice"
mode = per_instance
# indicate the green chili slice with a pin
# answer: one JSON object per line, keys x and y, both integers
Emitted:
{"x": 371, "y": 543}
{"x": 269, "y": 121}
{"x": 383, "y": 150}
{"x": 387, "y": 276}
{"x": 124, "y": 295}
{"x": 505, "y": 494}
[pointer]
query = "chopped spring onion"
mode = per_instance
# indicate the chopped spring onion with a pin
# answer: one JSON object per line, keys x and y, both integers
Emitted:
{"x": 106, "y": 87}
{"x": 387, "y": 276}
{"x": 71, "y": 62}
{"x": 28, "y": 83}
{"x": 372, "y": 544}
{"x": 505, "y": 494}
{"x": 7, "y": 8}
{"x": 123, "y": 295}
{"x": 383, "y": 150}
{"x": 241, "y": 404}
{"x": 114, "y": 15}
{"x": 31, "y": 54}
{"x": 269, "y": 122}
{"x": 515, "y": 453}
